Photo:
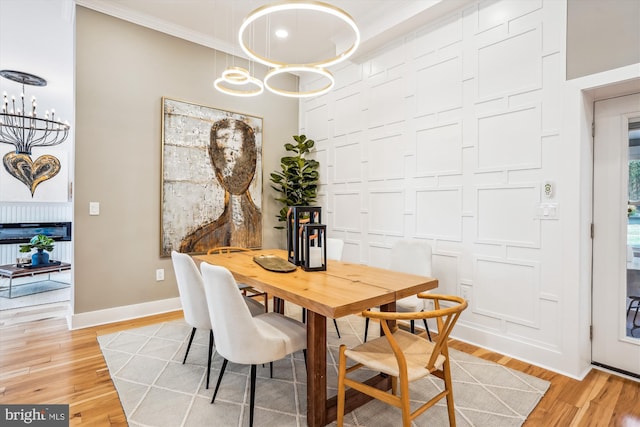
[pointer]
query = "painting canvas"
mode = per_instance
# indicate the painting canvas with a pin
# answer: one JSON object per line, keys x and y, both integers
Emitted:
{"x": 211, "y": 178}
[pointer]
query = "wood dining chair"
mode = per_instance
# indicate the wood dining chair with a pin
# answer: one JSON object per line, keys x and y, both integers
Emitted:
{"x": 241, "y": 338}
{"x": 193, "y": 301}
{"x": 405, "y": 357}
{"x": 247, "y": 290}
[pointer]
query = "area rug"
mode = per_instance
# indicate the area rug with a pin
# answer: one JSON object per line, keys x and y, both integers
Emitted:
{"x": 156, "y": 389}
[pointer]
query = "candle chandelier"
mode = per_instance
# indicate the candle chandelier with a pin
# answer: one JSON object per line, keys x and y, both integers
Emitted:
{"x": 239, "y": 82}
{"x": 20, "y": 125}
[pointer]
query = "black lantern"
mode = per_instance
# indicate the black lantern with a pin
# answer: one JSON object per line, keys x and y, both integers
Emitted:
{"x": 314, "y": 238}
{"x": 296, "y": 218}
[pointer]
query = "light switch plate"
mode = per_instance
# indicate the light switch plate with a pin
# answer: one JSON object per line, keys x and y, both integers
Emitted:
{"x": 94, "y": 208}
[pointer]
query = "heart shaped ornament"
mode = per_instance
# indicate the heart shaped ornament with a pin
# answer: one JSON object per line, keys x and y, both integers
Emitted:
{"x": 31, "y": 173}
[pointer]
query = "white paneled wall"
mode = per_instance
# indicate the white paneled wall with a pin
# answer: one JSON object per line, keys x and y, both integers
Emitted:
{"x": 36, "y": 212}
{"x": 440, "y": 136}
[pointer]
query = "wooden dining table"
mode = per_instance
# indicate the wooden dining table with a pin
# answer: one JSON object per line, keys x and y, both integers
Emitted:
{"x": 343, "y": 289}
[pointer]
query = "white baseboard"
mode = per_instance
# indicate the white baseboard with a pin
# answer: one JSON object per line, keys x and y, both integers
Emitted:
{"x": 118, "y": 314}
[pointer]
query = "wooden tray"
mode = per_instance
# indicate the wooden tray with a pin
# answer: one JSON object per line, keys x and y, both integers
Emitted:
{"x": 274, "y": 263}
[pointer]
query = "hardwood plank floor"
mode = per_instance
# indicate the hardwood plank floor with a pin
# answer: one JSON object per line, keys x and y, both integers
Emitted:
{"x": 42, "y": 362}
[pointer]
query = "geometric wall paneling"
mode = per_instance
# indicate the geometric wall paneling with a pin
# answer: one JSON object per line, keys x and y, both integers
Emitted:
{"x": 348, "y": 211}
{"x": 351, "y": 251}
{"x": 443, "y": 33}
{"x": 386, "y": 213}
{"x": 507, "y": 290}
{"x": 386, "y": 157}
{"x": 439, "y": 150}
{"x": 506, "y": 215}
{"x": 447, "y": 135}
{"x": 553, "y": 37}
{"x": 321, "y": 155}
{"x": 450, "y": 181}
{"x": 439, "y": 87}
{"x": 347, "y": 76}
{"x": 316, "y": 122}
{"x": 468, "y": 196}
{"x": 378, "y": 255}
{"x": 546, "y": 334}
{"x": 445, "y": 268}
{"x": 347, "y": 163}
{"x": 491, "y": 14}
{"x": 551, "y": 110}
{"x": 439, "y": 213}
{"x": 348, "y": 115}
{"x": 391, "y": 58}
{"x": 509, "y": 140}
{"x": 386, "y": 103}
{"x": 510, "y": 65}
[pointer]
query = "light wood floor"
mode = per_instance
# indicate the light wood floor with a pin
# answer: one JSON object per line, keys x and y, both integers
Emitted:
{"x": 41, "y": 361}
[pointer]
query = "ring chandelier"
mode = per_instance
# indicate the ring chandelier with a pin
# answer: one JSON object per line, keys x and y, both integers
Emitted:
{"x": 235, "y": 76}
{"x": 298, "y": 5}
{"x": 238, "y": 76}
{"x": 307, "y": 94}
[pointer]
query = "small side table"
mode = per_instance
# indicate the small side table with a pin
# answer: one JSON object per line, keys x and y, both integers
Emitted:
{"x": 12, "y": 271}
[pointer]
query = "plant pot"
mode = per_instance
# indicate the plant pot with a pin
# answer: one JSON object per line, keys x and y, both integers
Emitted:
{"x": 40, "y": 258}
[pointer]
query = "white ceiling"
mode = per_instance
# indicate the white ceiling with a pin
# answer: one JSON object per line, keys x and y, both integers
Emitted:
{"x": 215, "y": 23}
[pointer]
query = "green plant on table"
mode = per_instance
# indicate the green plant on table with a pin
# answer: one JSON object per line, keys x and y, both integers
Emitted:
{"x": 297, "y": 182}
{"x": 39, "y": 242}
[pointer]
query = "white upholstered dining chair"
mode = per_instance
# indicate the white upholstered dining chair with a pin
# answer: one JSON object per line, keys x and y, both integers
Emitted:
{"x": 194, "y": 304}
{"x": 413, "y": 257}
{"x": 241, "y": 338}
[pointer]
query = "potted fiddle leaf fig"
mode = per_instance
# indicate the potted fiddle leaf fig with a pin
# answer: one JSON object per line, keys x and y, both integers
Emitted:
{"x": 41, "y": 243}
{"x": 297, "y": 181}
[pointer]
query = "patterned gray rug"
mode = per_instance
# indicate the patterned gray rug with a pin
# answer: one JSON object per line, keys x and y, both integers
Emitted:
{"x": 156, "y": 389}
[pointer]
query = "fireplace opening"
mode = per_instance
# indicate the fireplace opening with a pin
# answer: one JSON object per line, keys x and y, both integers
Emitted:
{"x": 22, "y": 232}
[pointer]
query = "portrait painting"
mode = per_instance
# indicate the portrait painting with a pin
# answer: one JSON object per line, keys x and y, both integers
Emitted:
{"x": 211, "y": 178}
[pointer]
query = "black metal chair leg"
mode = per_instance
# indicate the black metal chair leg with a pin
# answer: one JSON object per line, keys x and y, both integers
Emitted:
{"x": 337, "y": 330}
{"x": 366, "y": 328}
{"x": 271, "y": 369}
{"x": 224, "y": 366}
{"x": 426, "y": 327}
{"x": 304, "y": 315}
{"x": 304, "y": 353}
{"x": 252, "y": 395}
{"x": 193, "y": 333}
{"x": 413, "y": 327}
{"x": 210, "y": 355}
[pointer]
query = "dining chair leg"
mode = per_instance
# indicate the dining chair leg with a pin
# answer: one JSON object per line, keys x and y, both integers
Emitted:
{"x": 337, "y": 330}
{"x": 215, "y": 392}
{"x": 304, "y": 354}
{"x": 270, "y": 369}
{"x": 252, "y": 396}
{"x": 193, "y": 333}
{"x": 342, "y": 367}
{"x": 413, "y": 327}
{"x": 210, "y": 356}
{"x": 426, "y": 328}
{"x": 366, "y": 328}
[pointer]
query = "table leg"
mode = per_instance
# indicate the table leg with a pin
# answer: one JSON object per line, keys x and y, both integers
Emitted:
{"x": 392, "y": 323}
{"x": 316, "y": 369}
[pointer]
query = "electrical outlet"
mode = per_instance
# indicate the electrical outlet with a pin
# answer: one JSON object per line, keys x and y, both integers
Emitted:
{"x": 160, "y": 274}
